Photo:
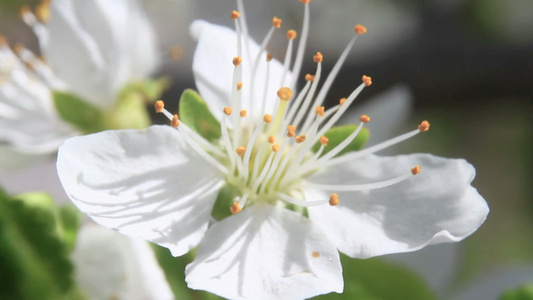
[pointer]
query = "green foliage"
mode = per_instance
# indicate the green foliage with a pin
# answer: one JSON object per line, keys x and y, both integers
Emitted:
{"x": 376, "y": 279}
{"x": 338, "y": 134}
{"x": 524, "y": 292}
{"x": 196, "y": 114}
{"x": 34, "y": 262}
{"x": 70, "y": 219}
{"x": 76, "y": 111}
{"x": 149, "y": 89}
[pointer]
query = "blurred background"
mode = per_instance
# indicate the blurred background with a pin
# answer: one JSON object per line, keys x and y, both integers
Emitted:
{"x": 468, "y": 68}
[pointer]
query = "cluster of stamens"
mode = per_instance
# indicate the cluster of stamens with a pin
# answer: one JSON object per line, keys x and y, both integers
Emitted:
{"x": 268, "y": 157}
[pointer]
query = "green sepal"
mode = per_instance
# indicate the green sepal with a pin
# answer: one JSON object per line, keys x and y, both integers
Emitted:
{"x": 129, "y": 112}
{"x": 338, "y": 134}
{"x": 149, "y": 89}
{"x": 70, "y": 219}
{"x": 196, "y": 114}
{"x": 78, "y": 112}
{"x": 377, "y": 279}
{"x": 225, "y": 198}
{"x": 524, "y": 292}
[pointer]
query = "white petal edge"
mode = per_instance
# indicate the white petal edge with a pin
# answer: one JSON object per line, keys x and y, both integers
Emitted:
{"x": 438, "y": 205}
{"x": 213, "y": 69}
{"x": 110, "y": 265}
{"x": 265, "y": 252}
{"x": 143, "y": 183}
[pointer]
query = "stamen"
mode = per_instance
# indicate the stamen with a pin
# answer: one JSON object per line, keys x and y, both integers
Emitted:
{"x": 175, "y": 121}
{"x": 285, "y": 93}
{"x": 227, "y": 110}
{"x": 42, "y": 11}
{"x": 267, "y": 118}
{"x": 159, "y": 106}
{"x": 359, "y": 29}
{"x": 424, "y": 126}
{"x": 239, "y": 86}
{"x": 291, "y": 131}
{"x": 315, "y": 254}
{"x": 302, "y": 203}
{"x": 415, "y": 170}
{"x": 300, "y": 139}
{"x": 237, "y": 61}
{"x": 333, "y": 199}
{"x": 276, "y": 22}
{"x": 235, "y": 208}
{"x": 291, "y": 34}
{"x": 364, "y": 119}
{"x": 296, "y": 103}
{"x": 367, "y": 80}
{"x": 324, "y": 140}
{"x": 3, "y": 41}
{"x": 235, "y": 15}
{"x": 243, "y": 113}
{"x": 249, "y": 148}
{"x": 342, "y": 101}
{"x": 309, "y": 77}
{"x": 275, "y": 148}
{"x": 271, "y": 139}
{"x": 318, "y": 57}
{"x": 301, "y": 47}
{"x": 364, "y": 186}
{"x": 319, "y": 111}
{"x": 240, "y": 150}
{"x": 177, "y": 53}
{"x": 305, "y": 1}
{"x": 307, "y": 102}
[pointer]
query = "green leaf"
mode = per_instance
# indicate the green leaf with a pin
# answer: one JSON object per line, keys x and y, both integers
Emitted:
{"x": 338, "y": 134}
{"x": 525, "y": 292}
{"x": 70, "y": 219}
{"x": 377, "y": 279}
{"x": 195, "y": 113}
{"x": 225, "y": 198}
{"x": 129, "y": 113}
{"x": 78, "y": 112}
{"x": 150, "y": 89}
{"x": 34, "y": 262}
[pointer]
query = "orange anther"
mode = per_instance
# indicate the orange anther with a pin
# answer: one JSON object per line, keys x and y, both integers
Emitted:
{"x": 240, "y": 150}
{"x": 424, "y": 126}
{"x": 24, "y": 10}
{"x": 315, "y": 254}
{"x": 175, "y": 121}
{"x": 3, "y": 41}
{"x": 42, "y": 11}
{"x": 269, "y": 57}
{"x": 364, "y": 118}
{"x": 17, "y": 48}
{"x": 227, "y": 110}
{"x": 243, "y": 113}
{"x": 285, "y": 93}
{"x": 305, "y": 1}
{"x": 267, "y": 118}
{"x": 235, "y": 208}
{"x": 415, "y": 170}
{"x": 359, "y": 29}
{"x": 239, "y": 86}
{"x": 318, "y": 57}
{"x": 320, "y": 111}
{"x": 276, "y": 22}
{"x": 342, "y": 101}
{"x": 333, "y": 199}
{"x": 159, "y": 106}
{"x": 291, "y": 131}
{"x": 324, "y": 141}
{"x": 291, "y": 34}
{"x": 367, "y": 80}
{"x": 235, "y": 15}
{"x": 275, "y": 148}
{"x": 177, "y": 53}
{"x": 309, "y": 77}
{"x": 300, "y": 139}
{"x": 271, "y": 139}
{"x": 237, "y": 61}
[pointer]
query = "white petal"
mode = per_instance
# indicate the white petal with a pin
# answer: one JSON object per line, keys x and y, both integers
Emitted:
{"x": 110, "y": 265}
{"x": 265, "y": 252}
{"x": 213, "y": 69}
{"x": 145, "y": 183}
{"x": 438, "y": 205}
{"x": 98, "y": 46}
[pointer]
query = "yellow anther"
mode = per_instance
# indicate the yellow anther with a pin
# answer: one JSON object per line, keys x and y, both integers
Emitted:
{"x": 324, "y": 141}
{"x": 269, "y": 57}
{"x": 415, "y": 170}
{"x": 291, "y": 131}
{"x": 175, "y": 121}
{"x": 235, "y": 208}
{"x": 359, "y": 29}
{"x": 240, "y": 150}
{"x": 177, "y": 53}
{"x": 367, "y": 80}
{"x": 364, "y": 119}
{"x": 315, "y": 254}
{"x": 333, "y": 199}
{"x": 42, "y": 11}
{"x": 271, "y": 139}
{"x": 237, "y": 61}
{"x": 275, "y": 148}
{"x": 239, "y": 86}
{"x": 3, "y": 41}
{"x": 159, "y": 106}
{"x": 291, "y": 34}
{"x": 243, "y": 113}
{"x": 235, "y": 15}
{"x": 228, "y": 110}
{"x": 309, "y": 77}
{"x": 305, "y": 1}
{"x": 285, "y": 93}
{"x": 318, "y": 57}
{"x": 276, "y": 22}
{"x": 24, "y": 10}
{"x": 267, "y": 118}
{"x": 320, "y": 111}
{"x": 424, "y": 126}
{"x": 342, "y": 101}
{"x": 300, "y": 139}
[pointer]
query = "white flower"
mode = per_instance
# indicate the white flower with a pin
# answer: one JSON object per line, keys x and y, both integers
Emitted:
{"x": 92, "y": 49}
{"x": 109, "y": 265}
{"x": 293, "y": 208}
